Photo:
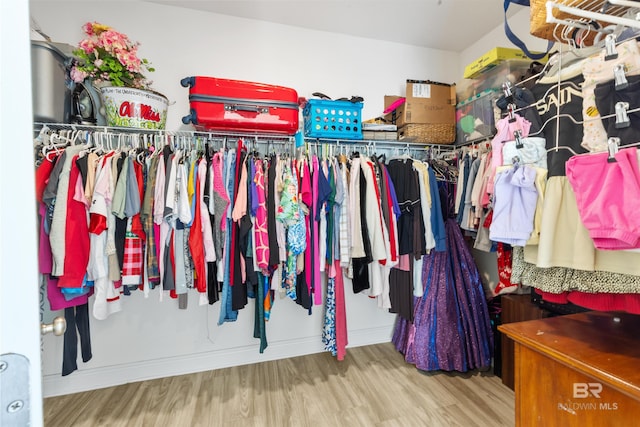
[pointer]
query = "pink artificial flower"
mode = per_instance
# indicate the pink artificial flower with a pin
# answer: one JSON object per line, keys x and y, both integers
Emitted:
{"x": 112, "y": 40}
{"x": 129, "y": 60}
{"x": 88, "y": 28}
{"x": 87, "y": 45}
{"x": 78, "y": 76}
{"x": 104, "y": 43}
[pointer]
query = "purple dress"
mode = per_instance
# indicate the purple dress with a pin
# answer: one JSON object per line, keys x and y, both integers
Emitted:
{"x": 451, "y": 328}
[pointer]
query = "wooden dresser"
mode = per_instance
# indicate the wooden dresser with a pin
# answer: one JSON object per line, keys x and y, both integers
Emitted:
{"x": 515, "y": 308}
{"x": 577, "y": 370}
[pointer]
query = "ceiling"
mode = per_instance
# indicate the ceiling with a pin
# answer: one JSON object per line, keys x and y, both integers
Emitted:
{"x": 440, "y": 24}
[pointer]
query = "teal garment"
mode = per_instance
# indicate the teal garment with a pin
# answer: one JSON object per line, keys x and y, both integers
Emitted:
{"x": 331, "y": 213}
{"x": 259, "y": 329}
{"x": 290, "y": 213}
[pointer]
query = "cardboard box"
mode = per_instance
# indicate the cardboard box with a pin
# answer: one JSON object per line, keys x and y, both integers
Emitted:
{"x": 393, "y": 116}
{"x": 426, "y": 102}
{"x": 492, "y": 58}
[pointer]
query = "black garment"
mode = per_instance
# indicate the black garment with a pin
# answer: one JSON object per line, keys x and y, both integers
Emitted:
{"x": 571, "y": 133}
{"x": 239, "y": 296}
{"x": 274, "y": 252}
{"x": 121, "y": 224}
{"x": 213, "y": 287}
{"x": 169, "y": 193}
{"x": 607, "y": 97}
{"x": 212, "y": 284}
{"x": 401, "y": 292}
{"x": 166, "y": 154}
{"x": 246, "y": 237}
{"x": 419, "y": 241}
{"x": 408, "y": 195}
{"x": 77, "y": 324}
{"x": 83, "y": 166}
{"x": 302, "y": 291}
{"x": 207, "y": 180}
{"x": 360, "y": 280}
{"x": 467, "y": 166}
{"x": 523, "y": 99}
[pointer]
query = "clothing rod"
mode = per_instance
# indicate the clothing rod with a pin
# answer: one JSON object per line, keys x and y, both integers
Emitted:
{"x": 260, "y": 138}
{"x": 161, "y": 132}
{"x": 382, "y": 143}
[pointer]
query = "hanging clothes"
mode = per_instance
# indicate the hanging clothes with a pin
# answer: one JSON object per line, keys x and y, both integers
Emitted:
{"x": 228, "y": 226}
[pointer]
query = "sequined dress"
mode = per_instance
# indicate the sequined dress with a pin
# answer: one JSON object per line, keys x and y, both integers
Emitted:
{"x": 451, "y": 330}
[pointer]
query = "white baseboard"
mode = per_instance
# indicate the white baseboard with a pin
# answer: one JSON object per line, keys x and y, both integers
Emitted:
{"x": 95, "y": 378}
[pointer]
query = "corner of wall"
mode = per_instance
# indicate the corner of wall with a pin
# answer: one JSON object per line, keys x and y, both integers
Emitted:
{"x": 519, "y": 24}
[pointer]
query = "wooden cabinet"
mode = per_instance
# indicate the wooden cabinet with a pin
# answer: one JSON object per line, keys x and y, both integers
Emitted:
{"x": 515, "y": 308}
{"x": 577, "y": 370}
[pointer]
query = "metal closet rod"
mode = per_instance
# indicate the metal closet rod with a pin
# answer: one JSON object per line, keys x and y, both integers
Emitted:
{"x": 379, "y": 143}
{"x": 247, "y": 137}
{"x": 259, "y": 137}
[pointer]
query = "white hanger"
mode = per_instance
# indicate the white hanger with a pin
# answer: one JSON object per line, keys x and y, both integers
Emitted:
{"x": 56, "y": 144}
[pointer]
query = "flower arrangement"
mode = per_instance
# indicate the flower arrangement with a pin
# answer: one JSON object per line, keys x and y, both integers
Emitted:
{"x": 107, "y": 55}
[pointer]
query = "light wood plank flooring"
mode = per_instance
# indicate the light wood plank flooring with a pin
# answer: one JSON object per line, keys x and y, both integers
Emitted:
{"x": 374, "y": 386}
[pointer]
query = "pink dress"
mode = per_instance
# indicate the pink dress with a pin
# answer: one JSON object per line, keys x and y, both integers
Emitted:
{"x": 261, "y": 233}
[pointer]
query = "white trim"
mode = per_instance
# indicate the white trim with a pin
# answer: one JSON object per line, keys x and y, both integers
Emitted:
{"x": 91, "y": 379}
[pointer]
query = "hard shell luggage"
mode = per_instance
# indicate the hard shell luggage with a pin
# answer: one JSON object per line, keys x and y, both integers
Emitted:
{"x": 235, "y": 105}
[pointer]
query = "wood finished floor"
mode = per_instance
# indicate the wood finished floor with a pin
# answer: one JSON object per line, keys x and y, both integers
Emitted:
{"x": 374, "y": 386}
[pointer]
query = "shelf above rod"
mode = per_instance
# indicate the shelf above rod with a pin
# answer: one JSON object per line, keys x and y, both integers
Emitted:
{"x": 378, "y": 143}
{"x": 616, "y": 19}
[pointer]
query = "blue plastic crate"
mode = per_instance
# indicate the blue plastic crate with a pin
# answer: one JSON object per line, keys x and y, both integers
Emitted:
{"x": 333, "y": 119}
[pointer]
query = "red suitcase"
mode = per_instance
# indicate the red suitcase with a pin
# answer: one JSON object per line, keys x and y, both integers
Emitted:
{"x": 235, "y": 105}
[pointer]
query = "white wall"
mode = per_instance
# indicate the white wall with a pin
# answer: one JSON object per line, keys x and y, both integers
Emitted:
{"x": 181, "y": 42}
{"x": 151, "y": 339}
{"x": 19, "y": 321}
{"x": 519, "y": 24}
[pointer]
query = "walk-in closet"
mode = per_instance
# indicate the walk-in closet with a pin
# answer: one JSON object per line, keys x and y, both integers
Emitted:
{"x": 312, "y": 213}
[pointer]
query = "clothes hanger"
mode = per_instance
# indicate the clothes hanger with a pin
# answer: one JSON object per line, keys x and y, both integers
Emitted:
{"x": 563, "y": 147}
{"x": 576, "y": 55}
{"x": 57, "y": 143}
{"x": 582, "y": 122}
{"x": 542, "y": 72}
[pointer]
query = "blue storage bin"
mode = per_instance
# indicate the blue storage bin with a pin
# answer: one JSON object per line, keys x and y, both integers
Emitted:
{"x": 333, "y": 119}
